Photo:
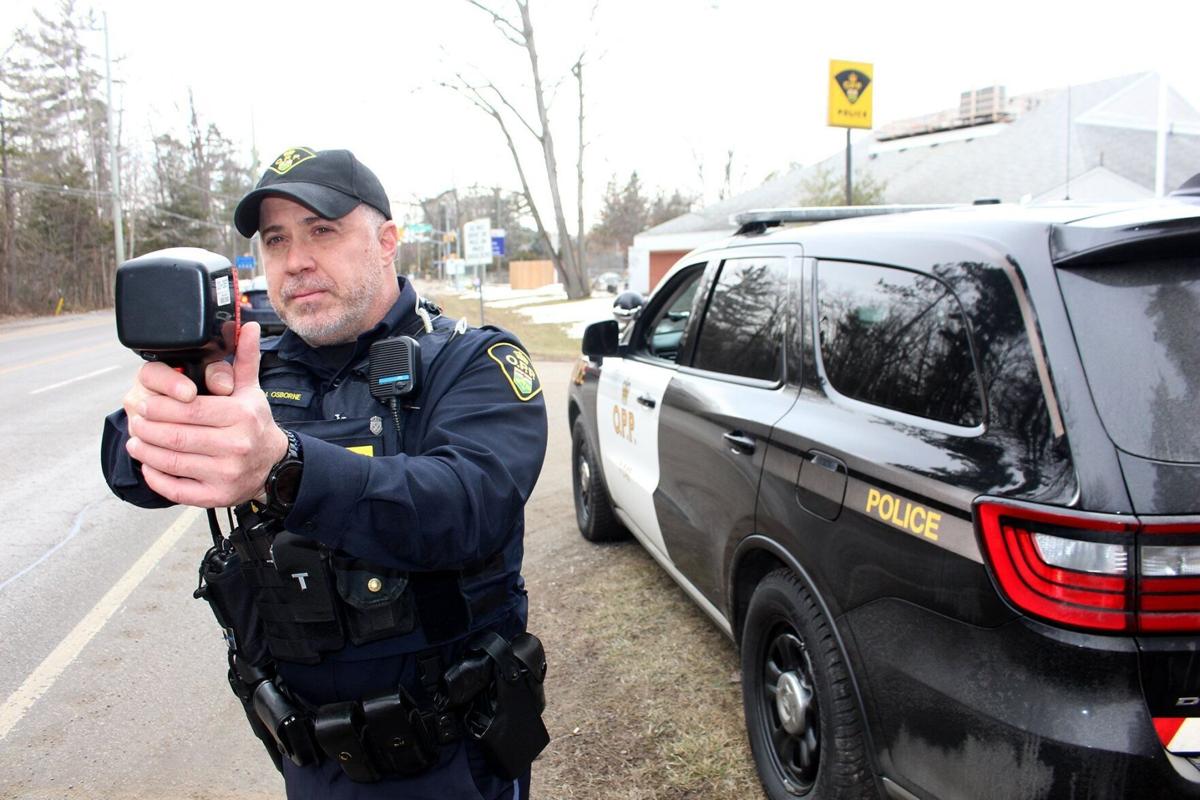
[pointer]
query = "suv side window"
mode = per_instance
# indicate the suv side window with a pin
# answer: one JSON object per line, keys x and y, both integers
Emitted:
{"x": 663, "y": 333}
{"x": 742, "y": 331}
{"x": 897, "y": 339}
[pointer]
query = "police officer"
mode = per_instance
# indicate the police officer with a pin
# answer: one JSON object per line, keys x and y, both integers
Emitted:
{"x": 401, "y": 529}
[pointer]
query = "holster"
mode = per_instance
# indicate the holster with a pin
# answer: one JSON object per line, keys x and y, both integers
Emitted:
{"x": 506, "y": 717}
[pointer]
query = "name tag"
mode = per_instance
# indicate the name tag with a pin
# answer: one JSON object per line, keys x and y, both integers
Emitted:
{"x": 289, "y": 397}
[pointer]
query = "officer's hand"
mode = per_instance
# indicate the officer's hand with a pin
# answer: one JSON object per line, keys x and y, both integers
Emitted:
{"x": 210, "y": 451}
{"x": 218, "y": 375}
{"x": 156, "y": 379}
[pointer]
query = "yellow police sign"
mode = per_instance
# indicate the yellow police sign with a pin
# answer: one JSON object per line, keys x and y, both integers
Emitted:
{"x": 850, "y": 94}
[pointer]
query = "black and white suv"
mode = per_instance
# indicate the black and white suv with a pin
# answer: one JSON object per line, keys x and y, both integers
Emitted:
{"x": 938, "y": 476}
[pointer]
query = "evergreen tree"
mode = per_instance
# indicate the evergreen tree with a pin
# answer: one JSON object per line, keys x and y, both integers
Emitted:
{"x": 55, "y": 172}
{"x": 56, "y": 236}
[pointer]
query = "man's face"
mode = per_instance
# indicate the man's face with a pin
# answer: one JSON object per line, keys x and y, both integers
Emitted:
{"x": 329, "y": 280}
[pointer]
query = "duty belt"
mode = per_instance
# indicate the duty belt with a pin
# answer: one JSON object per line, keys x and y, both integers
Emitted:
{"x": 386, "y": 734}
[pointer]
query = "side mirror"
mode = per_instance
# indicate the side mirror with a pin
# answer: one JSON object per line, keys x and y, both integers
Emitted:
{"x": 600, "y": 339}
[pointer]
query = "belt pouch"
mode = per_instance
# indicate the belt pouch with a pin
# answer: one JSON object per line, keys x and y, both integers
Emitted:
{"x": 338, "y": 727}
{"x": 397, "y": 735}
{"x": 376, "y": 600}
{"x": 285, "y": 723}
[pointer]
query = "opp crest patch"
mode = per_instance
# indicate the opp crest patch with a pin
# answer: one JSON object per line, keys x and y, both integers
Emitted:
{"x": 517, "y": 368}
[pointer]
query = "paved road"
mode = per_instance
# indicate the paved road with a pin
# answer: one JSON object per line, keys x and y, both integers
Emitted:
{"x": 111, "y": 678}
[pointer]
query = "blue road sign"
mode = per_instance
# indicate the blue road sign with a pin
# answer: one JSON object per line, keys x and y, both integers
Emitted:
{"x": 245, "y": 262}
{"x": 497, "y": 245}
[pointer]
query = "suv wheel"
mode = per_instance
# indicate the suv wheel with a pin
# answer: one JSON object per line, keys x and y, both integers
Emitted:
{"x": 803, "y": 720}
{"x": 593, "y": 510}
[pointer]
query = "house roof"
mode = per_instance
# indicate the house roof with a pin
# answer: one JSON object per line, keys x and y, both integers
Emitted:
{"x": 1095, "y": 141}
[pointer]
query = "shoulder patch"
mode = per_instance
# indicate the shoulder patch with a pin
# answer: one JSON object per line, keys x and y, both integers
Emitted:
{"x": 518, "y": 369}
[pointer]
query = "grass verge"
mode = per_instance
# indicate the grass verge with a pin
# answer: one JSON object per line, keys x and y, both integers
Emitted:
{"x": 543, "y": 341}
{"x": 665, "y": 721}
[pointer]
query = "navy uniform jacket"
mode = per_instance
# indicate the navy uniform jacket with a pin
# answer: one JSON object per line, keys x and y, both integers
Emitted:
{"x": 449, "y": 496}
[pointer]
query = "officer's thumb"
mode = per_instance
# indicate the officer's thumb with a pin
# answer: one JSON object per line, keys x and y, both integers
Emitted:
{"x": 246, "y": 358}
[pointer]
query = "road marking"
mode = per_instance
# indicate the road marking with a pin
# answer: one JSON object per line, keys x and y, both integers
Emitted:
{"x": 51, "y": 359}
{"x": 55, "y": 328}
{"x": 60, "y": 384}
{"x": 42, "y": 679}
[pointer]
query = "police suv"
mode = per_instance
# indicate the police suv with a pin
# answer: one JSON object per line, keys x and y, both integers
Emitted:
{"x": 938, "y": 476}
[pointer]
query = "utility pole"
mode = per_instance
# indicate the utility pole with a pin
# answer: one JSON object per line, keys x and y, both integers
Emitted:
{"x": 255, "y": 240}
{"x": 849, "y": 192}
{"x": 114, "y": 163}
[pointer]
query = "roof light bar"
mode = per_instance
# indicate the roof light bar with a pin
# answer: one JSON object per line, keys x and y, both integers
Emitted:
{"x": 761, "y": 218}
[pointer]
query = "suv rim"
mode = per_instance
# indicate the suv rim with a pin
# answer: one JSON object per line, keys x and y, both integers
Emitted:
{"x": 585, "y": 484}
{"x": 790, "y": 710}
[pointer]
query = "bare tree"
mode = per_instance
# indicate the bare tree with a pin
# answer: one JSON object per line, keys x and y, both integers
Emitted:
{"x": 489, "y": 98}
{"x": 730, "y": 180}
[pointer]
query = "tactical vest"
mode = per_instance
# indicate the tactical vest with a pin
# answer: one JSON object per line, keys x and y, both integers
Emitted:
{"x": 313, "y": 600}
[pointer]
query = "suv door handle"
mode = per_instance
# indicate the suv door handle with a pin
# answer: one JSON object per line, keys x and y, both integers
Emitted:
{"x": 646, "y": 400}
{"x": 740, "y": 442}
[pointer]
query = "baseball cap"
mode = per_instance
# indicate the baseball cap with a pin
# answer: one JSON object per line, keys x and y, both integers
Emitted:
{"x": 330, "y": 182}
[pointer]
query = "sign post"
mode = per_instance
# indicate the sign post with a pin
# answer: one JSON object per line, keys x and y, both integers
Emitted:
{"x": 477, "y": 251}
{"x": 850, "y": 98}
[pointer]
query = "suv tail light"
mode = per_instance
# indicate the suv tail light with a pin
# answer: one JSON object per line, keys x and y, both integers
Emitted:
{"x": 1169, "y": 587}
{"x": 1100, "y": 572}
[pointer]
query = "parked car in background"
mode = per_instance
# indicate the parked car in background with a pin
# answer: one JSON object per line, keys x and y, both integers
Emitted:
{"x": 936, "y": 474}
{"x": 607, "y": 282}
{"x": 256, "y": 306}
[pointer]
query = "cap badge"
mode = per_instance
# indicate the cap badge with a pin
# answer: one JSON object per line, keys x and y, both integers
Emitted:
{"x": 290, "y": 158}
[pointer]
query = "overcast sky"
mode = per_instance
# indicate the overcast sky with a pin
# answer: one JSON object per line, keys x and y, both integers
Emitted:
{"x": 671, "y": 85}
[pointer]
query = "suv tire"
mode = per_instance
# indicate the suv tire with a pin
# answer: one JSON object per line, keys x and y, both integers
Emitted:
{"x": 811, "y": 743}
{"x": 593, "y": 509}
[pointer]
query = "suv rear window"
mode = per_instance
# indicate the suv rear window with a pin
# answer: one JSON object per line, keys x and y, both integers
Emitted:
{"x": 1137, "y": 326}
{"x": 897, "y": 339}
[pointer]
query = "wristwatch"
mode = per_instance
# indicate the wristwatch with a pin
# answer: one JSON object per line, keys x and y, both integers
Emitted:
{"x": 283, "y": 481}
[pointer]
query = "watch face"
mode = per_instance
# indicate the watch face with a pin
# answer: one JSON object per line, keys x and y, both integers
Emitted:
{"x": 286, "y": 483}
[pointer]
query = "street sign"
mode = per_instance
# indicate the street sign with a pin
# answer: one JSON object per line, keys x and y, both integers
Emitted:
{"x": 850, "y": 94}
{"x": 477, "y": 242}
{"x": 418, "y": 228}
{"x": 497, "y": 241}
{"x": 245, "y": 262}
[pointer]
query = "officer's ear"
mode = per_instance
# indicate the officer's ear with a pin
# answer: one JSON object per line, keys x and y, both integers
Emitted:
{"x": 389, "y": 239}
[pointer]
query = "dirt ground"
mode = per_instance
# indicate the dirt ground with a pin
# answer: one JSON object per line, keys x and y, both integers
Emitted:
{"x": 643, "y": 691}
